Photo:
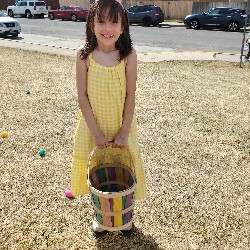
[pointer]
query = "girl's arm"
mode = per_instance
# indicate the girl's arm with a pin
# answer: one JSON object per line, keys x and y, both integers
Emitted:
{"x": 81, "y": 85}
{"x": 121, "y": 138}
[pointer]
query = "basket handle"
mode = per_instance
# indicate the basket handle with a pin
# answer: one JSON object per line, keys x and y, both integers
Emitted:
{"x": 110, "y": 144}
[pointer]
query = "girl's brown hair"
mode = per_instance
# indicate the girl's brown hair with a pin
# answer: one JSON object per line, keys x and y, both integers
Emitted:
{"x": 124, "y": 43}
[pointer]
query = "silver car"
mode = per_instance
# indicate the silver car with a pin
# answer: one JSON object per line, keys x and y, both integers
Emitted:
{"x": 9, "y": 26}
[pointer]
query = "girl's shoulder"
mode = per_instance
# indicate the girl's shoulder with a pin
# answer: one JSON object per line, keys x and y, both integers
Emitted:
{"x": 78, "y": 55}
{"x": 132, "y": 57}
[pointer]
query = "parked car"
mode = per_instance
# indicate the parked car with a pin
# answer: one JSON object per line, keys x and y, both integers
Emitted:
{"x": 146, "y": 15}
{"x": 73, "y": 13}
{"x": 231, "y": 19}
{"x": 9, "y": 26}
{"x": 28, "y": 9}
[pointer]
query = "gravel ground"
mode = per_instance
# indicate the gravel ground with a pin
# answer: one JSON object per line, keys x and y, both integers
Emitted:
{"x": 194, "y": 133}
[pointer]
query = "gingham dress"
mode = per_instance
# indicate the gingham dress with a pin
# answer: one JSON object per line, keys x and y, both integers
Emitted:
{"x": 106, "y": 88}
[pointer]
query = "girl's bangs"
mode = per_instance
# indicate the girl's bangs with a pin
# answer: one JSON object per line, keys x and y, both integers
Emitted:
{"x": 112, "y": 15}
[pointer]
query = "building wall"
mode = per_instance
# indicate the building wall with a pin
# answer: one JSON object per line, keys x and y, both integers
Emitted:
{"x": 54, "y": 4}
{"x": 83, "y": 3}
{"x": 5, "y": 3}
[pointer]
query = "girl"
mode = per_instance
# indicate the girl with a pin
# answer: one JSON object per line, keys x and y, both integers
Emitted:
{"x": 106, "y": 74}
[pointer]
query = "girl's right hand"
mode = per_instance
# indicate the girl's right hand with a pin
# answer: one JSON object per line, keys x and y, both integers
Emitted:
{"x": 100, "y": 140}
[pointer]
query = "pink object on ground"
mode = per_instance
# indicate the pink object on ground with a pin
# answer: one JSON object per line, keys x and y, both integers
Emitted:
{"x": 68, "y": 194}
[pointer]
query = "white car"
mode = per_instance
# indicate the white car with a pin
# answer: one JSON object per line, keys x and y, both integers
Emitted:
{"x": 9, "y": 26}
{"x": 28, "y": 8}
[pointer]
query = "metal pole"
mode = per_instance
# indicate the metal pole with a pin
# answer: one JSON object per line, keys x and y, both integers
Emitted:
{"x": 244, "y": 33}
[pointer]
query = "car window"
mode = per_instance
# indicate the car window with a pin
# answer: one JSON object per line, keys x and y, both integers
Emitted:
{"x": 237, "y": 11}
{"x": 212, "y": 11}
{"x": 134, "y": 9}
{"x": 225, "y": 11}
{"x": 145, "y": 9}
{"x": 158, "y": 9}
{"x": 23, "y": 4}
{"x": 79, "y": 8}
{"x": 31, "y": 3}
{"x": 40, "y": 4}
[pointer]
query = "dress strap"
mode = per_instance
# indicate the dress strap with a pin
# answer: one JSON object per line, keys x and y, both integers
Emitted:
{"x": 90, "y": 56}
{"x": 89, "y": 59}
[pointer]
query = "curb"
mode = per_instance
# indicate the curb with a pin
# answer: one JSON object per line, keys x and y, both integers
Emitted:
{"x": 42, "y": 44}
{"x": 214, "y": 53}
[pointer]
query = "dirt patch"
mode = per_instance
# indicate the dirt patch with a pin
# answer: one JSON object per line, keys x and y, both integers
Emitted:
{"x": 194, "y": 133}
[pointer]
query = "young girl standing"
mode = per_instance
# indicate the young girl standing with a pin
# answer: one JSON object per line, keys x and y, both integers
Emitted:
{"x": 106, "y": 74}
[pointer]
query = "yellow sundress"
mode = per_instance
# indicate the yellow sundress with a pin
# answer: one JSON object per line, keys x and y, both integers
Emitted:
{"x": 106, "y": 88}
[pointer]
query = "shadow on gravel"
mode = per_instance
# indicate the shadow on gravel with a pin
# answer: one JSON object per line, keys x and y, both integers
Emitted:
{"x": 138, "y": 241}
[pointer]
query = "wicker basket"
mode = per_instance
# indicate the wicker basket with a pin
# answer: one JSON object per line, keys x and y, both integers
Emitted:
{"x": 112, "y": 187}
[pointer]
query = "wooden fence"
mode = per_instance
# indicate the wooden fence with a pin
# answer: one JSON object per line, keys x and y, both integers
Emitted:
{"x": 174, "y": 10}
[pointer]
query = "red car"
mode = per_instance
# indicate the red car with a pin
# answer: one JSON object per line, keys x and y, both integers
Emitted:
{"x": 73, "y": 13}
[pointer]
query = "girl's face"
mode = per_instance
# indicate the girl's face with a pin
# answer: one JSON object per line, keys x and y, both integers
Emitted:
{"x": 107, "y": 31}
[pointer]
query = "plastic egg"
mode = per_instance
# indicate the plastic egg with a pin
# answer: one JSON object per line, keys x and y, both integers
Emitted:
{"x": 41, "y": 152}
{"x": 5, "y": 134}
{"x": 68, "y": 194}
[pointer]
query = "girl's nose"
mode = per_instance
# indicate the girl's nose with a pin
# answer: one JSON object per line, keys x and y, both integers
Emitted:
{"x": 107, "y": 26}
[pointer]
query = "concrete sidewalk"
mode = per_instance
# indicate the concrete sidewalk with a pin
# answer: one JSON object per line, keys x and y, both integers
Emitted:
{"x": 145, "y": 54}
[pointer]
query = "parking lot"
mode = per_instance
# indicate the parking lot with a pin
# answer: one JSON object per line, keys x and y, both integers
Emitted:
{"x": 168, "y": 37}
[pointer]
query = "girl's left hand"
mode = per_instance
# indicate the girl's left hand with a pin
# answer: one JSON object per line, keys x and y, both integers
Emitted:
{"x": 120, "y": 140}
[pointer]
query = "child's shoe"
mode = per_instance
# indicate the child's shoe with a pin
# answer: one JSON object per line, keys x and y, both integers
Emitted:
{"x": 68, "y": 194}
{"x": 96, "y": 230}
{"x": 127, "y": 232}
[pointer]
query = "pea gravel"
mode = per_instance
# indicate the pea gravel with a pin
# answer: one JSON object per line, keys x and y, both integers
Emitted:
{"x": 194, "y": 134}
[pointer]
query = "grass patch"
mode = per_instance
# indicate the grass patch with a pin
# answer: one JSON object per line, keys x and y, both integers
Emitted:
{"x": 194, "y": 133}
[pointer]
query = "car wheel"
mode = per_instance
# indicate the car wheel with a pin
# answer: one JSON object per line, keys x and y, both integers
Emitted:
{"x": 51, "y": 16}
{"x": 10, "y": 13}
{"x": 74, "y": 17}
{"x": 194, "y": 24}
{"x": 233, "y": 26}
{"x": 28, "y": 14}
{"x": 147, "y": 21}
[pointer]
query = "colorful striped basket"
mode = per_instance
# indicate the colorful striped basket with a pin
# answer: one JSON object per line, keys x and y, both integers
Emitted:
{"x": 112, "y": 187}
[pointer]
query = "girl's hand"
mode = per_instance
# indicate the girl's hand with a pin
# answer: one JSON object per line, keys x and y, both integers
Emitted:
{"x": 120, "y": 140}
{"x": 100, "y": 140}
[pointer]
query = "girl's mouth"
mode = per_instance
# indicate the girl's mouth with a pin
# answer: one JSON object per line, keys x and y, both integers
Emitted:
{"x": 108, "y": 36}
